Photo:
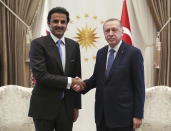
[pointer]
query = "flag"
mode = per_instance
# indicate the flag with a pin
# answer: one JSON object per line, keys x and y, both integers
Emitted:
{"x": 126, "y": 26}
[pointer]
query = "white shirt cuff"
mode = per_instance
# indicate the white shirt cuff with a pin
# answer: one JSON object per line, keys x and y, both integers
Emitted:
{"x": 69, "y": 82}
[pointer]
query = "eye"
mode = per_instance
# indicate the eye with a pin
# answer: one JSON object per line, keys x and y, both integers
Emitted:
{"x": 115, "y": 30}
{"x": 63, "y": 22}
{"x": 107, "y": 30}
{"x": 55, "y": 21}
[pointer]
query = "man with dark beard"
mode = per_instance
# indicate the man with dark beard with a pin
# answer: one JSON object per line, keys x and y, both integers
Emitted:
{"x": 55, "y": 62}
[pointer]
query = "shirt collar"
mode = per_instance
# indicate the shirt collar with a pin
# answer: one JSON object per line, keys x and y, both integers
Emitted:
{"x": 116, "y": 48}
{"x": 55, "y": 39}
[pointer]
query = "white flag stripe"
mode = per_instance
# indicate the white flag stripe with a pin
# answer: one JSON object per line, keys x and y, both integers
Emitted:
{"x": 127, "y": 31}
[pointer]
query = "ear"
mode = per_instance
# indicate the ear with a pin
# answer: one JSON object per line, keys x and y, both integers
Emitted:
{"x": 48, "y": 24}
{"x": 122, "y": 30}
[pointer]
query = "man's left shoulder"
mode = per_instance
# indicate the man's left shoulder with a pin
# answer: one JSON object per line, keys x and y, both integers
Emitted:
{"x": 131, "y": 47}
{"x": 70, "y": 41}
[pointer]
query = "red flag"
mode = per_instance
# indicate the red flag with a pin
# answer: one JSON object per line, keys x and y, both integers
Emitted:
{"x": 126, "y": 26}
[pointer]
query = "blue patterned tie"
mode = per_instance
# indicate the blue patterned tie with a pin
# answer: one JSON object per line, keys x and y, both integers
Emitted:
{"x": 59, "y": 48}
{"x": 110, "y": 61}
{"x": 60, "y": 53}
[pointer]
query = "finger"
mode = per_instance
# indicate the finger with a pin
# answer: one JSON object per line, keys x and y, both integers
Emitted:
{"x": 77, "y": 78}
{"x": 82, "y": 84}
{"x": 134, "y": 127}
{"x": 75, "y": 116}
{"x": 77, "y": 88}
{"x": 82, "y": 88}
{"x": 139, "y": 124}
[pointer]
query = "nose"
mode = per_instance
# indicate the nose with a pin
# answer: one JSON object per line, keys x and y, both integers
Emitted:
{"x": 111, "y": 32}
{"x": 59, "y": 24}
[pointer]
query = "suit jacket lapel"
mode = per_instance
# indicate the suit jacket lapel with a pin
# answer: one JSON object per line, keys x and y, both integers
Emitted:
{"x": 104, "y": 60}
{"x": 68, "y": 54}
{"x": 121, "y": 52}
{"x": 54, "y": 50}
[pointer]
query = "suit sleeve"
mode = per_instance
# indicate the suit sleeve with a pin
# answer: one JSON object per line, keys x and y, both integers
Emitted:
{"x": 38, "y": 64}
{"x": 138, "y": 84}
{"x": 78, "y": 73}
{"x": 91, "y": 82}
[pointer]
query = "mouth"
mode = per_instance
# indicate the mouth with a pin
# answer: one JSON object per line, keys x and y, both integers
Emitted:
{"x": 111, "y": 39}
{"x": 58, "y": 30}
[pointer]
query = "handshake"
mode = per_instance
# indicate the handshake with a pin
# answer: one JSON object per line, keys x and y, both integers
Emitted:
{"x": 77, "y": 84}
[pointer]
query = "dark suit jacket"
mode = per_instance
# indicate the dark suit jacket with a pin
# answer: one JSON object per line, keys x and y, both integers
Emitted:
{"x": 51, "y": 80}
{"x": 120, "y": 97}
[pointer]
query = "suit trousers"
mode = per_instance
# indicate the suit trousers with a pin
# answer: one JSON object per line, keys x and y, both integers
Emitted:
{"x": 103, "y": 127}
{"x": 61, "y": 123}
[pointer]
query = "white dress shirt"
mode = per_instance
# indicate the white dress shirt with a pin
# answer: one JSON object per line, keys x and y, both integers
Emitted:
{"x": 63, "y": 56}
{"x": 116, "y": 48}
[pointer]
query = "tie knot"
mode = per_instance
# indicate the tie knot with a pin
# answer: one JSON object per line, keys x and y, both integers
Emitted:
{"x": 111, "y": 51}
{"x": 59, "y": 42}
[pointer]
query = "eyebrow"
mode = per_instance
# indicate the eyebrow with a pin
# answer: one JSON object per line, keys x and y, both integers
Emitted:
{"x": 57, "y": 21}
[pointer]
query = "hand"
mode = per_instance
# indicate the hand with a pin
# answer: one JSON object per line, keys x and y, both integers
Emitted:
{"x": 77, "y": 84}
{"x": 136, "y": 123}
{"x": 76, "y": 114}
{"x": 77, "y": 88}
